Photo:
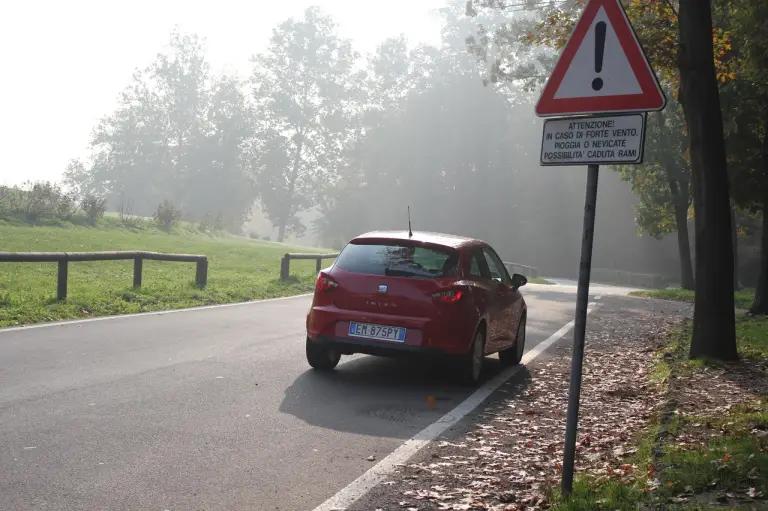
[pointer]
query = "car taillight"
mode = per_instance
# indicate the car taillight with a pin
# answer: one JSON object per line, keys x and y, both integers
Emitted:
{"x": 325, "y": 283}
{"x": 450, "y": 296}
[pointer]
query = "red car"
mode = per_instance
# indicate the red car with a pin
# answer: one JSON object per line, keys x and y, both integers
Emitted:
{"x": 391, "y": 293}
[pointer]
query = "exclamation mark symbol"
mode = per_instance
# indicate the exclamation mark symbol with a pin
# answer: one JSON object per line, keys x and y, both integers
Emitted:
{"x": 597, "y": 83}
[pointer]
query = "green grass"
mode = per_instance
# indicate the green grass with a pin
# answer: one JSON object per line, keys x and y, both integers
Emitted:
{"x": 727, "y": 458}
{"x": 239, "y": 270}
{"x": 730, "y": 460}
{"x": 743, "y": 299}
{"x": 539, "y": 280}
{"x": 611, "y": 495}
{"x": 727, "y": 462}
{"x": 752, "y": 336}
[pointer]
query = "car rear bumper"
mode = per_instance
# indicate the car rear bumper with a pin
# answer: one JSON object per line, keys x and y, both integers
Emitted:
{"x": 349, "y": 346}
{"x": 449, "y": 335}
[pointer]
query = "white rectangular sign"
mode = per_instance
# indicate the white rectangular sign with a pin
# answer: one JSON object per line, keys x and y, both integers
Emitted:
{"x": 603, "y": 140}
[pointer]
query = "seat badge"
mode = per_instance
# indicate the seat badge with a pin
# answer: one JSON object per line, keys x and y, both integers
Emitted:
{"x": 382, "y": 289}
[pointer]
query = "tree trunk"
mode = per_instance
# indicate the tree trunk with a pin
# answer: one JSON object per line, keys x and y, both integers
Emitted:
{"x": 680, "y": 200}
{"x": 735, "y": 241}
{"x": 291, "y": 189}
{"x": 714, "y": 330}
{"x": 760, "y": 305}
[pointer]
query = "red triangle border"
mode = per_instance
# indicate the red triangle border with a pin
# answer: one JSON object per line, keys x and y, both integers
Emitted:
{"x": 652, "y": 97}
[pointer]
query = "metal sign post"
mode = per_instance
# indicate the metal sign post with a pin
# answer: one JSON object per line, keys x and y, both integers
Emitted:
{"x": 580, "y": 327}
{"x": 602, "y": 70}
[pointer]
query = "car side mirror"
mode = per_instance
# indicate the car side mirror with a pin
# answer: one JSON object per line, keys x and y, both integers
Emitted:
{"x": 518, "y": 280}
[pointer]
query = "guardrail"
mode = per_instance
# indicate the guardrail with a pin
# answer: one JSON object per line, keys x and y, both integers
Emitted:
{"x": 528, "y": 271}
{"x": 64, "y": 258}
{"x": 285, "y": 263}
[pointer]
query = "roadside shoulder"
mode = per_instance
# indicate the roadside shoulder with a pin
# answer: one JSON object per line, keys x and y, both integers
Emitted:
{"x": 508, "y": 454}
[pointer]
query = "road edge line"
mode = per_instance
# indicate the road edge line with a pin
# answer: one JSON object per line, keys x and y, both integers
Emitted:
{"x": 376, "y": 474}
{"x": 32, "y": 326}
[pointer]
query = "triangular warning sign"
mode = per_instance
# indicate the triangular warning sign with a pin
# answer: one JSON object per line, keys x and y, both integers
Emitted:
{"x": 602, "y": 68}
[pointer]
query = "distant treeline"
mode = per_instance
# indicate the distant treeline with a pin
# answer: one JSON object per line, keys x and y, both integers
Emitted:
{"x": 43, "y": 203}
{"x": 360, "y": 138}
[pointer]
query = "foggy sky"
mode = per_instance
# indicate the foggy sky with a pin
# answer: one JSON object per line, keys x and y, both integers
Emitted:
{"x": 66, "y": 62}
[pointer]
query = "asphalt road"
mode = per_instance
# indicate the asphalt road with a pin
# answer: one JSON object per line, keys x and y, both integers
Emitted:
{"x": 207, "y": 409}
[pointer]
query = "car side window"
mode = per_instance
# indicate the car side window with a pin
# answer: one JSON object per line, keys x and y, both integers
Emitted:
{"x": 496, "y": 266}
{"x": 477, "y": 267}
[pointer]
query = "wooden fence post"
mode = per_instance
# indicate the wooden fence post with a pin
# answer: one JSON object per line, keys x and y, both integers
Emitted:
{"x": 137, "y": 269}
{"x": 201, "y": 273}
{"x": 285, "y": 266}
{"x": 61, "y": 287}
{"x": 318, "y": 265}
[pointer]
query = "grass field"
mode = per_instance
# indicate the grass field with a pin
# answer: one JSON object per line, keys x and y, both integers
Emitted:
{"x": 743, "y": 299}
{"x": 239, "y": 270}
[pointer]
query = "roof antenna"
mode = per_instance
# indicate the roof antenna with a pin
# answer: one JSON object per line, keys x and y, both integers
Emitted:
{"x": 410, "y": 232}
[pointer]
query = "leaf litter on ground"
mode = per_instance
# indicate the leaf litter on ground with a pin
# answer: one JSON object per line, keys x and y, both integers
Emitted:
{"x": 511, "y": 457}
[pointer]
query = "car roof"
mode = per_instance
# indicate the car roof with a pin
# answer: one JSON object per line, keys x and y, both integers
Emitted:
{"x": 433, "y": 238}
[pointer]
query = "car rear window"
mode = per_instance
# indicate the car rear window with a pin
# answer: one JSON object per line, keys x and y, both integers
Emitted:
{"x": 399, "y": 260}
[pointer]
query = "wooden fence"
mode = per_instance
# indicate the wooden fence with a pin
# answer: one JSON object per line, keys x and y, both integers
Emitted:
{"x": 285, "y": 263}
{"x": 64, "y": 258}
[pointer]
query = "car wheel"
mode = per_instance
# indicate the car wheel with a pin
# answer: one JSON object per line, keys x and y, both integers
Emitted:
{"x": 513, "y": 355}
{"x": 475, "y": 360}
{"x": 322, "y": 357}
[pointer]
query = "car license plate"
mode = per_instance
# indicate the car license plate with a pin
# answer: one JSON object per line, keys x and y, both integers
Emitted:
{"x": 378, "y": 332}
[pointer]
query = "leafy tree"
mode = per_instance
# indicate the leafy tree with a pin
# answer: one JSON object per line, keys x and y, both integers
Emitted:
{"x": 222, "y": 182}
{"x": 94, "y": 208}
{"x": 500, "y": 35}
{"x": 180, "y": 81}
{"x": 178, "y": 133}
{"x": 745, "y": 103}
{"x": 439, "y": 141}
{"x": 124, "y": 149}
{"x": 394, "y": 72}
{"x": 663, "y": 184}
{"x": 550, "y": 25}
{"x": 167, "y": 215}
{"x": 698, "y": 64}
{"x": 304, "y": 87}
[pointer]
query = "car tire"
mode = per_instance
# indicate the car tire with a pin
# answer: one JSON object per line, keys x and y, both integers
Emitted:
{"x": 474, "y": 360}
{"x": 321, "y": 357}
{"x": 514, "y": 354}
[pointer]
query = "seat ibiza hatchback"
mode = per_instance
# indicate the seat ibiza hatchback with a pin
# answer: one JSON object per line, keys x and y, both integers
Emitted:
{"x": 400, "y": 293}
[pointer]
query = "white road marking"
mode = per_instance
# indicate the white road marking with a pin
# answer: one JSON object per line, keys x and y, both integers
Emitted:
{"x": 598, "y": 297}
{"x": 152, "y": 313}
{"x": 379, "y": 472}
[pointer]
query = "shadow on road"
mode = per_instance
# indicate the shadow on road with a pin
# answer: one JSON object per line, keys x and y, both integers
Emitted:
{"x": 380, "y": 397}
